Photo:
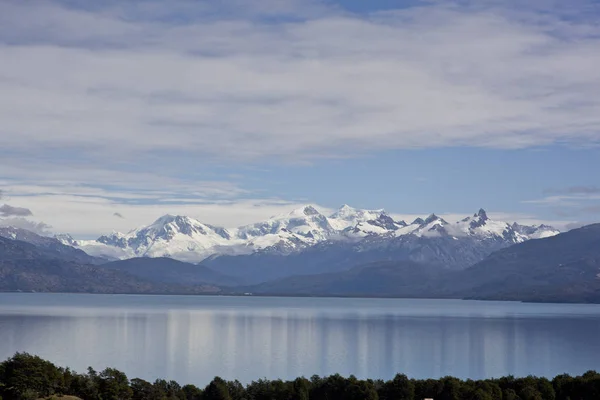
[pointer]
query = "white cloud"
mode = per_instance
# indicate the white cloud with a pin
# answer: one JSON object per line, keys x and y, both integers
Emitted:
{"x": 91, "y": 216}
{"x": 231, "y": 87}
{"x": 40, "y": 228}
{"x": 123, "y": 106}
{"x": 7, "y": 210}
{"x": 573, "y": 200}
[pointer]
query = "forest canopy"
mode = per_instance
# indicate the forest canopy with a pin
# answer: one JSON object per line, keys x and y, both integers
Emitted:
{"x": 28, "y": 377}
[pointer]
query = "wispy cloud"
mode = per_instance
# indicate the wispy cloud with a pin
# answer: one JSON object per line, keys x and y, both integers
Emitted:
{"x": 574, "y": 202}
{"x": 40, "y": 228}
{"x": 592, "y": 209}
{"x": 10, "y": 211}
{"x": 65, "y": 213}
{"x": 575, "y": 190}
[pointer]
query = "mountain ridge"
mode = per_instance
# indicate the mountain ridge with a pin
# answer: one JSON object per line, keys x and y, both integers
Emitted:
{"x": 27, "y": 267}
{"x": 187, "y": 239}
{"x": 561, "y": 268}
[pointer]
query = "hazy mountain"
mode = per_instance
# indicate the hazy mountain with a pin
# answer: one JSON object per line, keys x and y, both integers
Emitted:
{"x": 168, "y": 270}
{"x": 53, "y": 247}
{"x": 384, "y": 279}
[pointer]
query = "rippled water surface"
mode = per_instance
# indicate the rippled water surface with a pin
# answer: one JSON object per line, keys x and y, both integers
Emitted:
{"x": 192, "y": 339}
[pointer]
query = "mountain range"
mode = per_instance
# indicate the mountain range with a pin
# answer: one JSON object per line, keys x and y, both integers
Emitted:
{"x": 348, "y": 253}
{"x": 187, "y": 239}
{"x": 562, "y": 268}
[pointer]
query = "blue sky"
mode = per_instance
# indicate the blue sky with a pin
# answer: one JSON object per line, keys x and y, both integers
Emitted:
{"x": 114, "y": 113}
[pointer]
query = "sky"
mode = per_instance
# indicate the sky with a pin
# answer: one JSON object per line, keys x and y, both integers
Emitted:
{"x": 114, "y": 113}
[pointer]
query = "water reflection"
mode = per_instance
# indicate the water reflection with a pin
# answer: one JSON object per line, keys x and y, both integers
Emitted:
{"x": 230, "y": 339}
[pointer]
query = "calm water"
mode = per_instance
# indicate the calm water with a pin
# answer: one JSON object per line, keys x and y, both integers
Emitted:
{"x": 192, "y": 339}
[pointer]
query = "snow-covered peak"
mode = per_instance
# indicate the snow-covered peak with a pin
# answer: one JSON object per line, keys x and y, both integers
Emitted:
{"x": 481, "y": 214}
{"x": 535, "y": 231}
{"x": 481, "y": 226}
{"x": 188, "y": 239}
{"x": 418, "y": 221}
{"x": 348, "y": 217}
{"x": 303, "y": 211}
{"x": 432, "y": 226}
{"x": 306, "y": 224}
{"x": 67, "y": 239}
{"x": 383, "y": 225}
{"x": 433, "y": 218}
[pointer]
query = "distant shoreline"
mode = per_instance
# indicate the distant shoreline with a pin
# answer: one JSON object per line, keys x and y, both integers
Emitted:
{"x": 268, "y": 295}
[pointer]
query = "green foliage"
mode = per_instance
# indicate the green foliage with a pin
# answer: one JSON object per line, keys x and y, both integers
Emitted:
{"x": 399, "y": 388}
{"x": 217, "y": 390}
{"x": 114, "y": 385}
{"x": 27, "y": 377}
{"x": 191, "y": 392}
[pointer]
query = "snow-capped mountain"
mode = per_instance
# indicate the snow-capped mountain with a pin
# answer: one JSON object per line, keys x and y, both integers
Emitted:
{"x": 304, "y": 226}
{"x": 347, "y": 217}
{"x": 174, "y": 236}
{"x": 187, "y": 239}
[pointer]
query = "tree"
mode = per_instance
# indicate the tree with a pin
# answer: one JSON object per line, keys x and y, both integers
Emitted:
{"x": 85, "y": 386}
{"x": 30, "y": 377}
{"x": 301, "y": 389}
{"x": 530, "y": 393}
{"x": 450, "y": 389}
{"x": 510, "y": 394}
{"x": 191, "y": 392}
{"x": 142, "y": 390}
{"x": 361, "y": 390}
{"x": 563, "y": 386}
{"x": 236, "y": 390}
{"x": 217, "y": 390}
{"x": 114, "y": 385}
{"x": 480, "y": 394}
{"x": 399, "y": 388}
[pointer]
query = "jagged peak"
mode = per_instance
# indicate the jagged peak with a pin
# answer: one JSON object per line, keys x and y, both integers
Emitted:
{"x": 310, "y": 210}
{"x": 306, "y": 210}
{"x": 432, "y": 217}
{"x": 481, "y": 214}
{"x": 418, "y": 221}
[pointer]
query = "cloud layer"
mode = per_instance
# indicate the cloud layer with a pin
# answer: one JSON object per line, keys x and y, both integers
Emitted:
{"x": 127, "y": 105}
{"x": 228, "y": 84}
{"x": 10, "y": 211}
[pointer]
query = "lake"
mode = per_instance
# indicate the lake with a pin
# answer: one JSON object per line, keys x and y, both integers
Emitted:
{"x": 192, "y": 339}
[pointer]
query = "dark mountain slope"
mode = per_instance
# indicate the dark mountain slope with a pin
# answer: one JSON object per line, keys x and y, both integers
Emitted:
{"x": 26, "y": 267}
{"x": 168, "y": 270}
{"x": 565, "y": 267}
{"x": 335, "y": 256}
{"x": 384, "y": 279}
{"x": 52, "y": 246}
